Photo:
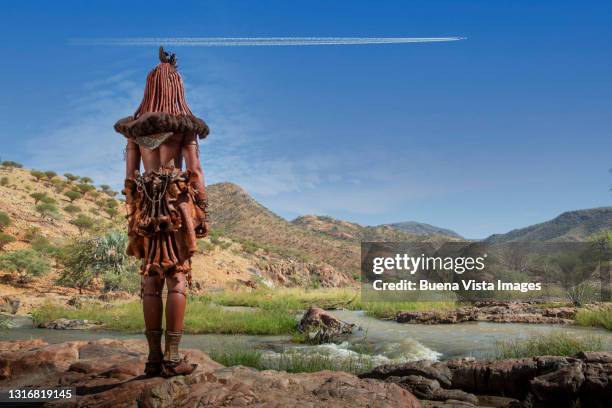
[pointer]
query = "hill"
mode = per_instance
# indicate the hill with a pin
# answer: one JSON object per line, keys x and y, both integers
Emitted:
{"x": 420, "y": 228}
{"x": 349, "y": 231}
{"x": 576, "y": 225}
{"x": 242, "y": 218}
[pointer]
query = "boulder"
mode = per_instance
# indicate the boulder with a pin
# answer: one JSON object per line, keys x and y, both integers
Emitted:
{"x": 9, "y": 304}
{"x": 321, "y": 326}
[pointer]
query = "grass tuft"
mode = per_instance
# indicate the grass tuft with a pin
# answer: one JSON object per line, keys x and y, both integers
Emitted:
{"x": 557, "y": 344}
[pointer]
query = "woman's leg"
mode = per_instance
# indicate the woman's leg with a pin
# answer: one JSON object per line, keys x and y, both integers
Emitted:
{"x": 176, "y": 302}
{"x": 153, "y": 310}
{"x": 175, "y": 313}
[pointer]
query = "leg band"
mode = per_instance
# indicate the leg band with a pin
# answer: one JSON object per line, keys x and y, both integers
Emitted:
{"x": 182, "y": 292}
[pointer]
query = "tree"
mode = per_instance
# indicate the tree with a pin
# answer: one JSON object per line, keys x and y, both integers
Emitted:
{"x": 5, "y": 239}
{"x": 48, "y": 200}
{"x": 72, "y": 209}
{"x": 5, "y": 220}
{"x": 38, "y": 175}
{"x": 83, "y": 223}
{"x": 50, "y": 174}
{"x": 73, "y": 195}
{"x": 26, "y": 263}
{"x": 11, "y": 164}
{"x": 71, "y": 177}
{"x": 47, "y": 210}
{"x": 38, "y": 196}
{"x": 86, "y": 180}
{"x": 84, "y": 187}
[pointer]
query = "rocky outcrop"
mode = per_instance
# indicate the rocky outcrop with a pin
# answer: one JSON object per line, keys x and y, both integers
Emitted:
{"x": 9, "y": 304}
{"x": 70, "y": 324}
{"x": 583, "y": 380}
{"x": 109, "y": 373}
{"x": 499, "y": 312}
{"x": 320, "y": 326}
{"x": 289, "y": 272}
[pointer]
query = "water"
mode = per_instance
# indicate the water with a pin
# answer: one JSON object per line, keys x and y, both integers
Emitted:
{"x": 378, "y": 341}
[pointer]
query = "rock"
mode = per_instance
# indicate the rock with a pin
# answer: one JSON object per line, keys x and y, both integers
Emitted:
{"x": 583, "y": 380}
{"x": 499, "y": 312}
{"x": 109, "y": 373}
{"x": 9, "y": 304}
{"x": 321, "y": 326}
{"x": 70, "y": 324}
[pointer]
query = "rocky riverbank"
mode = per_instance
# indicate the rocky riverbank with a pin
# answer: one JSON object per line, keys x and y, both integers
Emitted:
{"x": 584, "y": 380}
{"x": 498, "y": 312}
{"x": 109, "y": 373}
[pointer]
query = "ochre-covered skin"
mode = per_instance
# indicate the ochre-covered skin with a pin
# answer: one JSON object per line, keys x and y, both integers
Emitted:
{"x": 166, "y": 206}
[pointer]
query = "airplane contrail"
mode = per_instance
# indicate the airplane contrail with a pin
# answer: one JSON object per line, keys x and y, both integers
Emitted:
{"x": 257, "y": 41}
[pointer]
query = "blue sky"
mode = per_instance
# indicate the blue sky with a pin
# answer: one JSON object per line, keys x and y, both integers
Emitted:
{"x": 505, "y": 129}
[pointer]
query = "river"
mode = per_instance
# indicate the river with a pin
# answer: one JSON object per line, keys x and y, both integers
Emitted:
{"x": 380, "y": 341}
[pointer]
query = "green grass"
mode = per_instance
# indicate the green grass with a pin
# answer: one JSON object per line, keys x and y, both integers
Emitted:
{"x": 200, "y": 317}
{"x": 295, "y": 299}
{"x": 291, "y": 362}
{"x": 601, "y": 317}
{"x": 557, "y": 344}
{"x": 284, "y": 298}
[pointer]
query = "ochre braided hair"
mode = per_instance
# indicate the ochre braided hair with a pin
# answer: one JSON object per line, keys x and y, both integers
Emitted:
{"x": 164, "y": 92}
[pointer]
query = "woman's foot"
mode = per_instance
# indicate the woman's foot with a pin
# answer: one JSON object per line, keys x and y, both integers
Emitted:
{"x": 153, "y": 369}
{"x": 182, "y": 367}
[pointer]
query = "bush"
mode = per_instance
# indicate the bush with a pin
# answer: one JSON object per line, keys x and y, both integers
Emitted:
{"x": 83, "y": 223}
{"x": 71, "y": 177}
{"x": 38, "y": 175}
{"x": 72, "y": 209}
{"x": 11, "y": 164}
{"x": 47, "y": 210}
{"x": 73, "y": 195}
{"x": 84, "y": 188}
{"x": 4, "y": 181}
{"x": 5, "y": 239}
{"x": 86, "y": 180}
{"x": 112, "y": 212}
{"x": 43, "y": 245}
{"x": 596, "y": 317}
{"x": 31, "y": 233}
{"x": 50, "y": 174}
{"x": 5, "y": 220}
{"x": 26, "y": 263}
{"x": 105, "y": 257}
{"x": 38, "y": 196}
{"x": 582, "y": 294}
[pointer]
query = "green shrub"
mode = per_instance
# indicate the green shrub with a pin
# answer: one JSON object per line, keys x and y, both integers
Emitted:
{"x": 43, "y": 245}
{"x": 5, "y": 220}
{"x": 71, "y": 177}
{"x": 72, "y": 209}
{"x": 50, "y": 174}
{"x": 5, "y": 239}
{"x": 11, "y": 164}
{"x": 86, "y": 180}
{"x": 73, "y": 195}
{"x": 31, "y": 233}
{"x": 47, "y": 210}
{"x": 105, "y": 257}
{"x": 83, "y": 223}
{"x": 84, "y": 188}
{"x": 38, "y": 196}
{"x": 111, "y": 211}
{"x": 583, "y": 293}
{"x": 38, "y": 175}
{"x": 26, "y": 263}
{"x": 4, "y": 181}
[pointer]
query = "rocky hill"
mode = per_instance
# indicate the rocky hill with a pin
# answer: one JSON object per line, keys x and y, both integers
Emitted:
{"x": 349, "y": 231}
{"x": 576, "y": 225}
{"x": 420, "y": 228}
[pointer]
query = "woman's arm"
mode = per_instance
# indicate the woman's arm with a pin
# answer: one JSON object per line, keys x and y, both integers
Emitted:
{"x": 132, "y": 159}
{"x": 192, "y": 162}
